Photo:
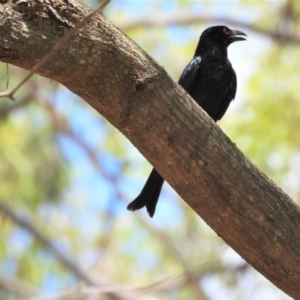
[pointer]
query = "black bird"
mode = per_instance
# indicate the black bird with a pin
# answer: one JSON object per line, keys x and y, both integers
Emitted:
{"x": 210, "y": 79}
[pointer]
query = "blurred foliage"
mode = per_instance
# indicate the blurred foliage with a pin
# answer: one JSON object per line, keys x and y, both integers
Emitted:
{"x": 76, "y": 196}
{"x": 270, "y": 114}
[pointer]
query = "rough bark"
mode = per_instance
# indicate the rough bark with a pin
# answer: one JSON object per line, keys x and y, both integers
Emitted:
{"x": 135, "y": 94}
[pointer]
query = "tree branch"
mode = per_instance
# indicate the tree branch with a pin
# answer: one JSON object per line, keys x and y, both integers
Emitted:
{"x": 63, "y": 126}
{"x": 57, "y": 46}
{"x": 64, "y": 259}
{"x": 189, "y": 150}
{"x": 17, "y": 286}
{"x": 188, "y": 19}
{"x": 5, "y": 111}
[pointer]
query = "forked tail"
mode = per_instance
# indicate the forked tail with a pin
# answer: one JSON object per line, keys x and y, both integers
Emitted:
{"x": 149, "y": 194}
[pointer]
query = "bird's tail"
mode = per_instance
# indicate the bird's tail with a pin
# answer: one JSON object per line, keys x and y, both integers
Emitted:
{"x": 149, "y": 194}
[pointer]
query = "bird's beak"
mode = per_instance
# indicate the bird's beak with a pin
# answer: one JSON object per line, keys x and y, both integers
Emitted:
{"x": 236, "y": 35}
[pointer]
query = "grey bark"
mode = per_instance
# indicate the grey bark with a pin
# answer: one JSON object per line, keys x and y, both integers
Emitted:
{"x": 112, "y": 74}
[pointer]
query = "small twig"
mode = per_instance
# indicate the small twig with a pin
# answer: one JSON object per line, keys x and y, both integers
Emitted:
{"x": 9, "y": 213}
{"x": 56, "y": 47}
{"x": 100, "y": 281}
{"x": 5, "y": 111}
{"x": 76, "y": 291}
{"x": 60, "y": 295}
{"x": 190, "y": 276}
{"x": 163, "y": 285}
{"x": 64, "y": 127}
{"x": 17, "y": 286}
{"x": 7, "y": 76}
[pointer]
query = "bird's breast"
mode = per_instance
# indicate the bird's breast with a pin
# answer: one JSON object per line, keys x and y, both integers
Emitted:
{"x": 211, "y": 83}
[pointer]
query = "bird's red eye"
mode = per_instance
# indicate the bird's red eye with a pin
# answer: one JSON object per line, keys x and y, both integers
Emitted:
{"x": 225, "y": 30}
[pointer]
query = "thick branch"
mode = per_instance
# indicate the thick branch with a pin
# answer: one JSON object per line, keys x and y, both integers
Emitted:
{"x": 63, "y": 126}
{"x": 126, "y": 86}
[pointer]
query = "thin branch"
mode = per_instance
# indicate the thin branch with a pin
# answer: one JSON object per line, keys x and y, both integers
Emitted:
{"x": 163, "y": 285}
{"x": 17, "y": 286}
{"x": 56, "y": 47}
{"x": 60, "y": 295}
{"x": 5, "y": 111}
{"x": 61, "y": 257}
{"x": 66, "y": 129}
{"x": 76, "y": 291}
{"x": 188, "y": 19}
{"x": 25, "y": 224}
{"x": 190, "y": 275}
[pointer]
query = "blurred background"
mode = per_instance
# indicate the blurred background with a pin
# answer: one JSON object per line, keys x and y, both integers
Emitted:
{"x": 66, "y": 175}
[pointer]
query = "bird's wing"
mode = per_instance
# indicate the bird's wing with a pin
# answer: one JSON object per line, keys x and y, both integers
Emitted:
{"x": 188, "y": 75}
{"x": 228, "y": 97}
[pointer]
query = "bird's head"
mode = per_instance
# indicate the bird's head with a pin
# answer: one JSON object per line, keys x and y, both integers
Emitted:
{"x": 220, "y": 35}
{"x": 223, "y": 35}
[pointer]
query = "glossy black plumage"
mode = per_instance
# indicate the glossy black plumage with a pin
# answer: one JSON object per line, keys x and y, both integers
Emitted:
{"x": 211, "y": 81}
